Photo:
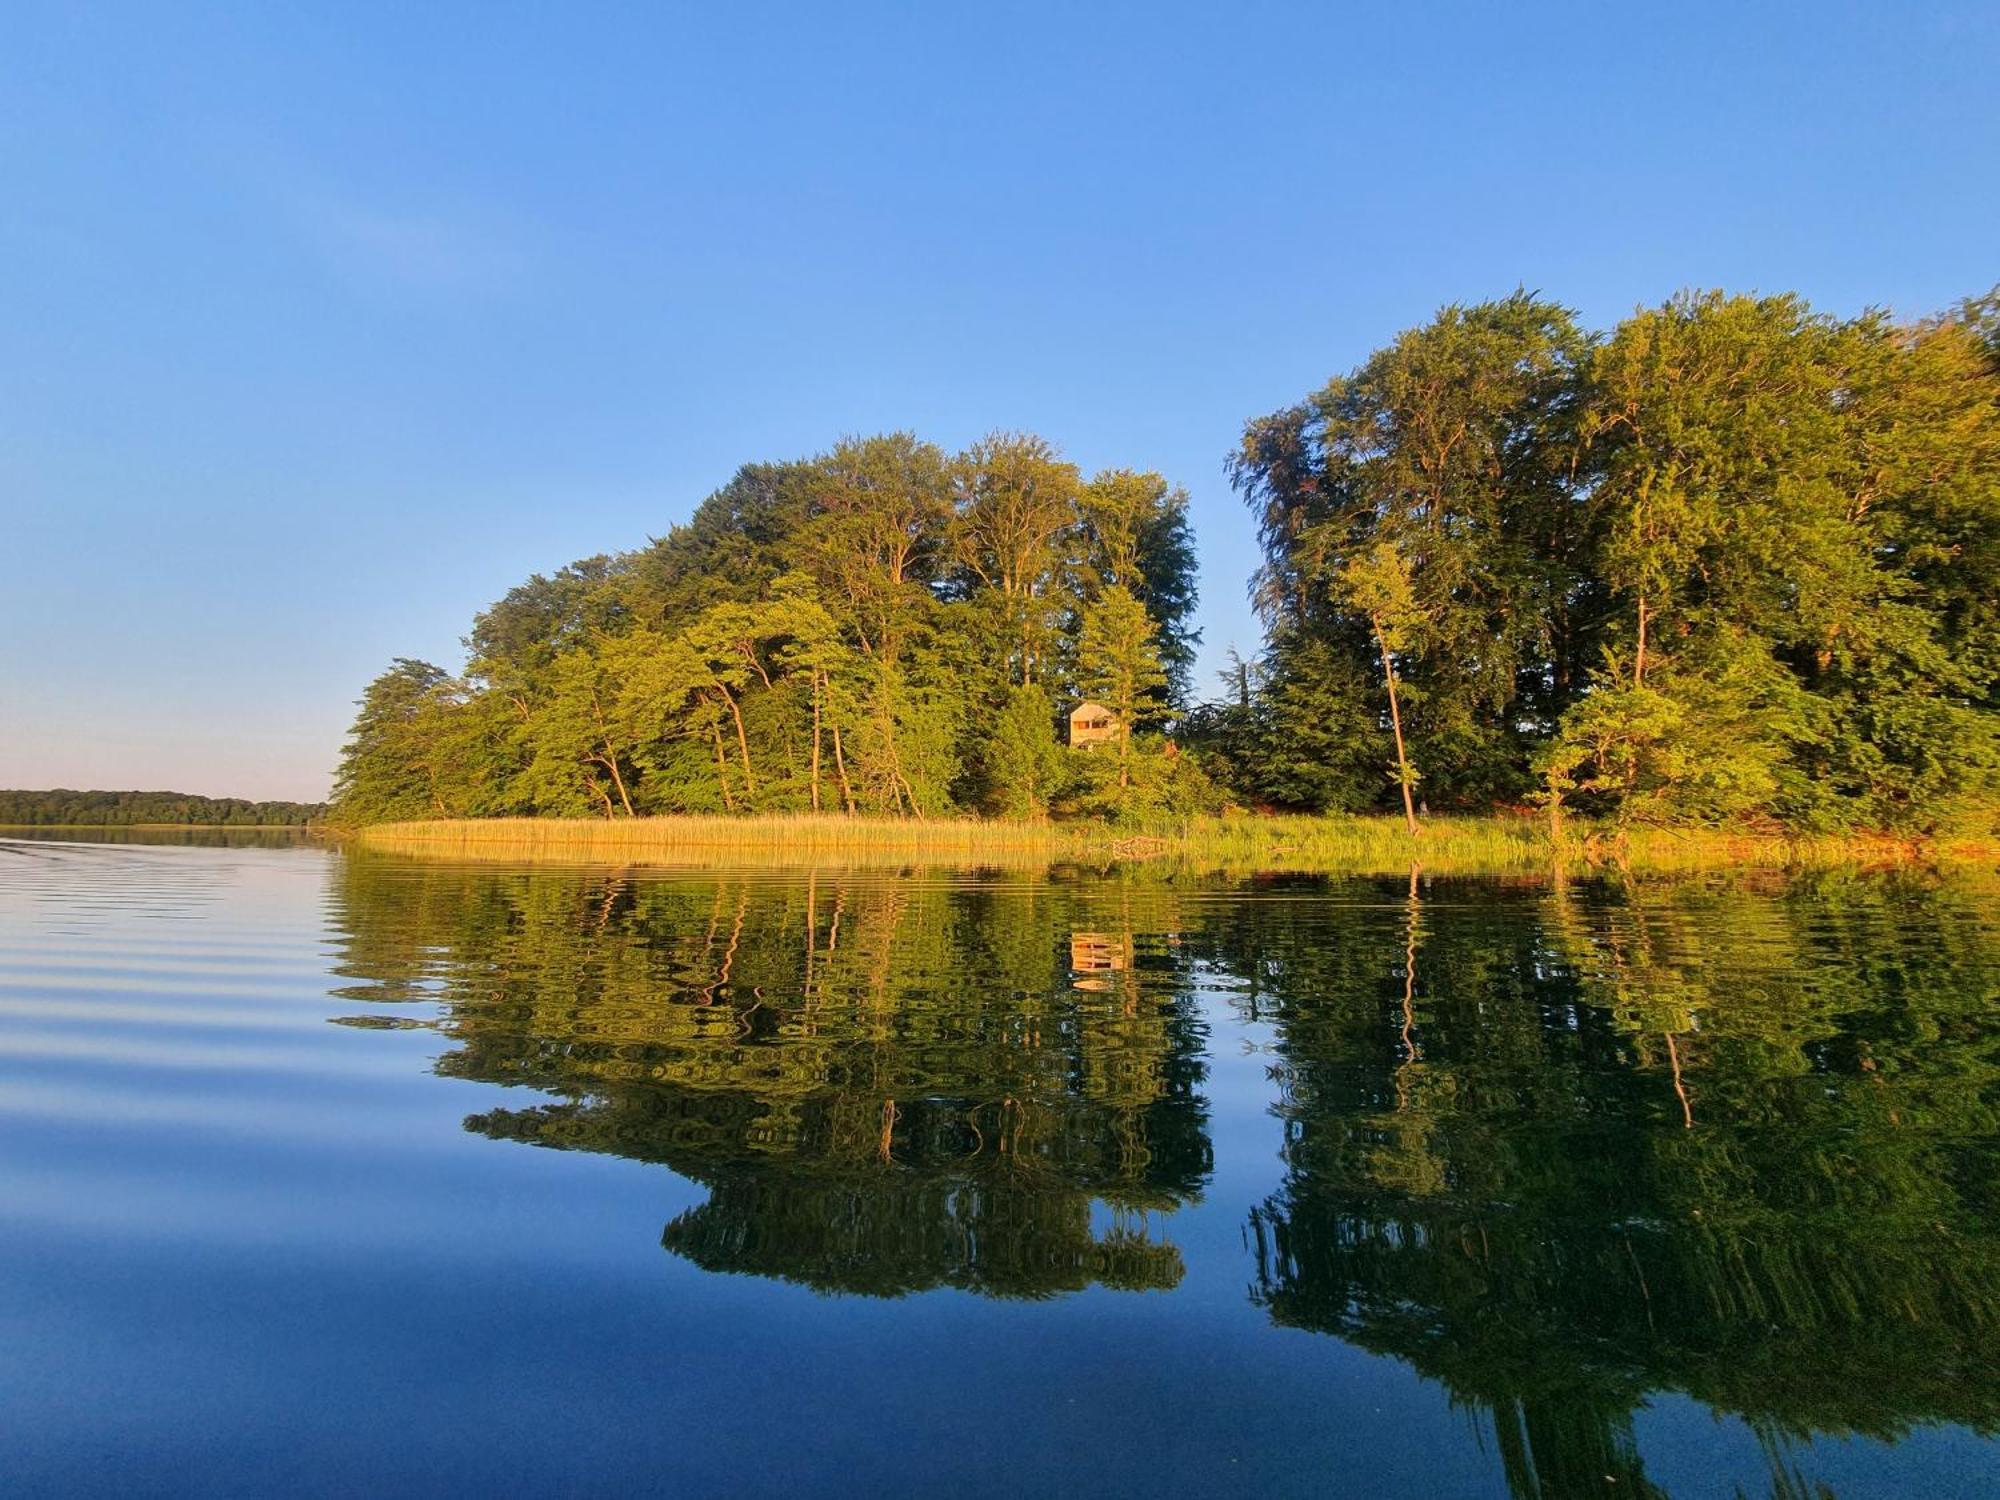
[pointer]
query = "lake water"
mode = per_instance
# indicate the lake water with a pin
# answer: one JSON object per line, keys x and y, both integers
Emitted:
{"x": 343, "y": 1175}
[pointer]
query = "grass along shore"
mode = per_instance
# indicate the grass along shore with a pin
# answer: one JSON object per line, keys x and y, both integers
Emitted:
{"x": 1461, "y": 845}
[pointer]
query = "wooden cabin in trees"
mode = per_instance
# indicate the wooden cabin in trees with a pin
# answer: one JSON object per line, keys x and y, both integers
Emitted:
{"x": 1093, "y": 724}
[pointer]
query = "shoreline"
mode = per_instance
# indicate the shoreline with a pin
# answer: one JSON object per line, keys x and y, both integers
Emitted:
{"x": 1474, "y": 845}
{"x": 6, "y": 828}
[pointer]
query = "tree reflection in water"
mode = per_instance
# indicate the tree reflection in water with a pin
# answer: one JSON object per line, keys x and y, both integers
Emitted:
{"x": 1558, "y": 1146}
{"x": 886, "y": 1086}
{"x": 1687, "y": 1137}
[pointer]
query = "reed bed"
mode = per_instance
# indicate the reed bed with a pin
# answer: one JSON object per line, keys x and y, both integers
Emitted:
{"x": 779, "y": 839}
{"x": 1361, "y": 845}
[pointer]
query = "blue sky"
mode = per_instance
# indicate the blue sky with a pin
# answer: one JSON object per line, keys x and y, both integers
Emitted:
{"x": 321, "y": 326}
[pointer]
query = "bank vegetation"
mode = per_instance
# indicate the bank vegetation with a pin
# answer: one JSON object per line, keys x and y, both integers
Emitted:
{"x": 1729, "y": 565}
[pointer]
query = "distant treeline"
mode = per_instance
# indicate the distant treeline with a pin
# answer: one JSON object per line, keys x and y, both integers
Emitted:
{"x": 1732, "y": 559}
{"x": 66, "y": 808}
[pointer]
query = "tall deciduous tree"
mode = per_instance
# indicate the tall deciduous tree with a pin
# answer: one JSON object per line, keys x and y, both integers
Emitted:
{"x": 1017, "y": 510}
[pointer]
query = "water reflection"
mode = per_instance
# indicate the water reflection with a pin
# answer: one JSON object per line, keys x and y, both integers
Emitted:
{"x": 1684, "y": 1137}
{"x": 885, "y": 1086}
{"x": 1558, "y": 1148}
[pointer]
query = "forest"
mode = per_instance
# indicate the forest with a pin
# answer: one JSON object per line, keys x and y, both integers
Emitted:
{"x": 1732, "y": 560}
{"x": 885, "y": 629}
{"x": 70, "y": 809}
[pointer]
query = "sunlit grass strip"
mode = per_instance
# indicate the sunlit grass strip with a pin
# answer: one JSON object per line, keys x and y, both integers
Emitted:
{"x": 1500, "y": 844}
{"x": 1464, "y": 845}
{"x": 783, "y": 839}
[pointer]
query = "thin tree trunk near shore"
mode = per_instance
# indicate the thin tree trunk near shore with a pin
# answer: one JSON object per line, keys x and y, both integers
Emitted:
{"x": 609, "y": 759}
{"x": 721, "y": 768}
{"x": 1396, "y": 723}
{"x": 840, "y": 767}
{"x": 611, "y": 765}
{"x": 815, "y": 755}
{"x": 742, "y": 742}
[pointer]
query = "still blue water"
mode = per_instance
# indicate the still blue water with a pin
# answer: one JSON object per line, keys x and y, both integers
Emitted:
{"x": 337, "y": 1175}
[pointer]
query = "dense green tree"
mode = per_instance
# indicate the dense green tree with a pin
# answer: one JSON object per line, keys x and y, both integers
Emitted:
{"x": 399, "y": 760}
{"x": 1787, "y": 499}
{"x": 1735, "y": 557}
{"x": 1732, "y": 559}
{"x": 1024, "y": 767}
{"x": 1136, "y": 535}
{"x": 1018, "y": 513}
{"x": 1118, "y": 665}
{"x": 1459, "y": 447}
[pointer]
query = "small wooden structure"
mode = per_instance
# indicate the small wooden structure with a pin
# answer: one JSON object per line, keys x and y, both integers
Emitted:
{"x": 1092, "y": 956}
{"x": 1093, "y": 724}
{"x": 1096, "y": 953}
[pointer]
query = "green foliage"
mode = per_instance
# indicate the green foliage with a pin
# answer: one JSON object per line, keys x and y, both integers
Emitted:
{"x": 1154, "y": 786}
{"x": 1024, "y": 766}
{"x": 1137, "y": 537}
{"x": 1457, "y": 446}
{"x": 1300, "y": 732}
{"x": 398, "y": 761}
{"x": 1734, "y": 556}
{"x": 840, "y": 634}
{"x": 1118, "y": 662}
{"x": 1649, "y": 754}
{"x": 63, "y": 808}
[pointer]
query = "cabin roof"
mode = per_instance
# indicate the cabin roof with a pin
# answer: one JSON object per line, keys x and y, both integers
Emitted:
{"x": 1087, "y": 707}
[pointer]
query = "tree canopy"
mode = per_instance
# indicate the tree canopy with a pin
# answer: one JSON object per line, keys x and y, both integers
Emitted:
{"x": 1732, "y": 556}
{"x": 838, "y": 634}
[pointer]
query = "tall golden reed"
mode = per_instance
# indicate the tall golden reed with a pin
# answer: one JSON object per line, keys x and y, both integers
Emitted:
{"x": 1472, "y": 845}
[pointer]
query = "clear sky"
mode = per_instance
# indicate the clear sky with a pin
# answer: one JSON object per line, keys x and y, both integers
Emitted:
{"x": 321, "y": 326}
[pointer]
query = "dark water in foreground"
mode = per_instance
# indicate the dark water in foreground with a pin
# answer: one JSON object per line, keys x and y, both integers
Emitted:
{"x": 990, "y": 1184}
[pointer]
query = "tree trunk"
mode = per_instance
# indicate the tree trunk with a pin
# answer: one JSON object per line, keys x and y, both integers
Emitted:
{"x": 609, "y": 760}
{"x": 1396, "y": 723}
{"x": 840, "y": 766}
{"x": 815, "y": 758}
{"x": 742, "y": 741}
{"x": 1639, "y": 656}
{"x": 721, "y": 768}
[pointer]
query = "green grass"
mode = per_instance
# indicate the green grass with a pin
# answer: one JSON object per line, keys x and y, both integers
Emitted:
{"x": 1463, "y": 845}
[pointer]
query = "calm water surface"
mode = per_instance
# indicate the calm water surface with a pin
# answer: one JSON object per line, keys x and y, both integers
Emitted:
{"x": 342, "y": 1175}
